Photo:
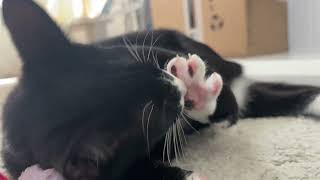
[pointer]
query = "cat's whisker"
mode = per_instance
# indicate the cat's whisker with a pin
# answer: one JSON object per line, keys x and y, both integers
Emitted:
{"x": 164, "y": 147}
{"x": 180, "y": 145}
{"x": 179, "y": 129}
{"x": 152, "y": 44}
{"x": 130, "y": 49}
{"x": 136, "y": 50}
{"x": 150, "y": 48}
{"x": 169, "y": 145}
{"x": 153, "y": 61}
{"x": 186, "y": 120}
{"x": 143, "y": 44}
{"x": 177, "y": 142}
{"x": 173, "y": 141}
{"x": 183, "y": 134}
{"x": 184, "y": 113}
{"x": 148, "y": 121}
{"x": 156, "y": 60}
{"x": 143, "y": 117}
{"x": 176, "y": 150}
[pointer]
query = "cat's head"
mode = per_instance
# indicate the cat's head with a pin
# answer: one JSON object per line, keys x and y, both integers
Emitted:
{"x": 81, "y": 105}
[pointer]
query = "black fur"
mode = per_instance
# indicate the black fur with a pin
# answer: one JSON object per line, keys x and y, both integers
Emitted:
{"x": 79, "y": 105}
{"x": 275, "y": 99}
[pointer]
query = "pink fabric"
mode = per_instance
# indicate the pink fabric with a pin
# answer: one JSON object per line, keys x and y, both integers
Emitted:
{"x": 36, "y": 173}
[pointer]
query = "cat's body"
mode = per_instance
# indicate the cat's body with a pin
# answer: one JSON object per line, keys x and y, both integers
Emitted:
{"x": 240, "y": 96}
{"x": 98, "y": 111}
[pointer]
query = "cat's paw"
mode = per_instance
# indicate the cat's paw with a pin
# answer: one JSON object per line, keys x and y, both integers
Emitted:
{"x": 195, "y": 176}
{"x": 36, "y": 173}
{"x": 202, "y": 92}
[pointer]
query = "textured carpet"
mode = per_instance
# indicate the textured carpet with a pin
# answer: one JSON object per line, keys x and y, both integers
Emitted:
{"x": 257, "y": 149}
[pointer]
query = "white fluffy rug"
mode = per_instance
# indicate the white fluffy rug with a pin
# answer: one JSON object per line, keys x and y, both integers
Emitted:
{"x": 257, "y": 149}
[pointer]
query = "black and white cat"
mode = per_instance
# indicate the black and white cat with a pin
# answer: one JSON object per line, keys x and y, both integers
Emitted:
{"x": 103, "y": 111}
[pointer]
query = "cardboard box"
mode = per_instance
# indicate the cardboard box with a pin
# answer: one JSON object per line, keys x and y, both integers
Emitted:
{"x": 232, "y": 27}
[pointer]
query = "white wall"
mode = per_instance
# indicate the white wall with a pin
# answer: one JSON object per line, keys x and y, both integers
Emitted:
{"x": 9, "y": 59}
{"x": 304, "y": 26}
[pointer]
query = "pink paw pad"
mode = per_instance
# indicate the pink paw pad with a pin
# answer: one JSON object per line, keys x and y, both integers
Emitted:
{"x": 192, "y": 72}
{"x": 197, "y": 67}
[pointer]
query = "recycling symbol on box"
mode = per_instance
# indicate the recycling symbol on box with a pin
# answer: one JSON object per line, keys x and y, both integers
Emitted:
{"x": 217, "y": 22}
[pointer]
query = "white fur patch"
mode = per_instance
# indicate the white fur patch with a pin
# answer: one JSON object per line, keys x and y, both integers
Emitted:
{"x": 314, "y": 107}
{"x": 203, "y": 114}
{"x": 240, "y": 89}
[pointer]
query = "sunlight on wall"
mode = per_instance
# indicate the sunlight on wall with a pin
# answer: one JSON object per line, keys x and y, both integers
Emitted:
{"x": 60, "y": 10}
{"x": 94, "y": 8}
{"x": 0, "y": 3}
{"x": 88, "y": 8}
{"x": 77, "y": 8}
{"x": 52, "y": 6}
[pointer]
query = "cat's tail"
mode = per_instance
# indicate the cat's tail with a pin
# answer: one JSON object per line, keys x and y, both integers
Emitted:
{"x": 262, "y": 99}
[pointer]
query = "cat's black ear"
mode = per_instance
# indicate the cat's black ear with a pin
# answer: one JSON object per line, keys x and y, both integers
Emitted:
{"x": 35, "y": 35}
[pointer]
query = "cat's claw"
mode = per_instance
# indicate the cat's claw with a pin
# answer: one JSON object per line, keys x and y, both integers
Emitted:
{"x": 202, "y": 92}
